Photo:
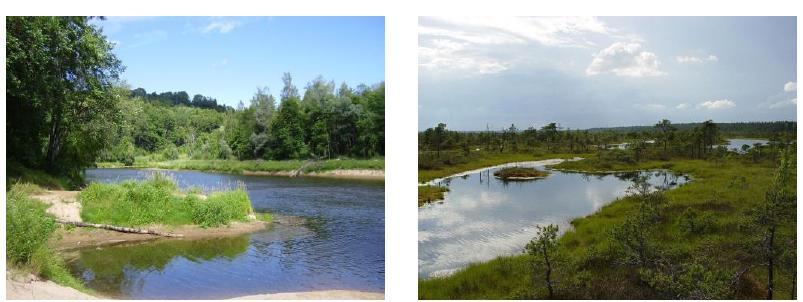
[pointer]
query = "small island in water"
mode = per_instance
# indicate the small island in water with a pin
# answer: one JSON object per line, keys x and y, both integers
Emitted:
{"x": 520, "y": 173}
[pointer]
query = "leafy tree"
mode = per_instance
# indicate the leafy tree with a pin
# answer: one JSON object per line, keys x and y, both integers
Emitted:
{"x": 777, "y": 209}
{"x": 263, "y": 105}
{"x": 542, "y": 251}
{"x": 60, "y": 73}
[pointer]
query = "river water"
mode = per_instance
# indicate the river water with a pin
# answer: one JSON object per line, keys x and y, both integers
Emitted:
{"x": 483, "y": 217}
{"x": 341, "y": 246}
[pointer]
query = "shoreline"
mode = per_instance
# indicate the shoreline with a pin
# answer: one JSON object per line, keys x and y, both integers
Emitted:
{"x": 543, "y": 162}
{"x": 24, "y": 286}
{"x": 359, "y": 174}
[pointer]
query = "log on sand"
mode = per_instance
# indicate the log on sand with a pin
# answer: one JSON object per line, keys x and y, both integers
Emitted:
{"x": 118, "y": 228}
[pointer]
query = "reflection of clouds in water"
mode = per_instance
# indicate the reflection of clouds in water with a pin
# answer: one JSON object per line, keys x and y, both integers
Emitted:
{"x": 477, "y": 242}
{"x": 484, "y": 199}
{"x": 479, "y": 222}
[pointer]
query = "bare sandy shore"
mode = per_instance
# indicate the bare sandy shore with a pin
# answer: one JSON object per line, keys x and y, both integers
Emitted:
{"x": 318, "y": 295}
{"x": 23, "y": 286}
{"x": 88, "y": 237}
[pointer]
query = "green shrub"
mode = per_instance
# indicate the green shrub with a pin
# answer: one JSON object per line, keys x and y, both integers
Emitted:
{"x": 691, "y": 222}
{"x": 28, "y": 226}
{"x": 221, "y": 208}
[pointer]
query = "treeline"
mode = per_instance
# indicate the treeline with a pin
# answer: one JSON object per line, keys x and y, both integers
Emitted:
{"x": 661, "y": 141}
{"x": 66, "y": 108}
{"x": 180, "y": 98}
{"x": 744, "y": 129}
{"x": 325, "y": 123}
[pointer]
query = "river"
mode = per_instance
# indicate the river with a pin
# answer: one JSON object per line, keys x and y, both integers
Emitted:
{"x": 341, "y": 246}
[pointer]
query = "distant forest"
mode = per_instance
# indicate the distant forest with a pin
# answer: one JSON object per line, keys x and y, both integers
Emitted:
{"x": 180, "y": 98}
{"x": 743, "y": 129}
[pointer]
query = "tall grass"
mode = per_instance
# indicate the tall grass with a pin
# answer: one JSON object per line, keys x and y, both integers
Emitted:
{"x": 28, "y": 229}
{"x": 158, "y": 201}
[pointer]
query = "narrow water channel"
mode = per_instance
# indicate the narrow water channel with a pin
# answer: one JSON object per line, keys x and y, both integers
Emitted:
{"x": 341, "y": 246}
{"x": 483, "y": 217}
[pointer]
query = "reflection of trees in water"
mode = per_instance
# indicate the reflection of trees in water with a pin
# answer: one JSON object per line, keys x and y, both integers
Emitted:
{"x": 110, "y": 270}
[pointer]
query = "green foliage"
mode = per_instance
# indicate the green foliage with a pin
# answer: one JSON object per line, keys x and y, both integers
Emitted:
{"x": 541, "y": 251}
{"x": 157, "y": 201}
{"x": 690, "y": 281}
{"x": 60, "y": 101}
{"x": 427, "y": 194}
{"x": 221, "y": 208}
{"x": 28, "y": 226}
{"x": 691, "y": 222}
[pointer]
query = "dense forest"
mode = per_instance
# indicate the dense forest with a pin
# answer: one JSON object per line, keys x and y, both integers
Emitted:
{"x": 67, "y": 108}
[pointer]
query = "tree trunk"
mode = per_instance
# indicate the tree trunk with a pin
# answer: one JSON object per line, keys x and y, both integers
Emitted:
{"x": 119, "y": 228}
{"x": 770, "y": 262}
{"x": 548, "y": 274}
{"x": 54, "y": 141}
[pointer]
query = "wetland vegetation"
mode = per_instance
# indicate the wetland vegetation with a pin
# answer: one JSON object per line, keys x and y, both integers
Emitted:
{"x": 728, "y": 233}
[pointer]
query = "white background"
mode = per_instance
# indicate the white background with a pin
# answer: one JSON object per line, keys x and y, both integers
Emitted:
{"x": 401, "y": 74}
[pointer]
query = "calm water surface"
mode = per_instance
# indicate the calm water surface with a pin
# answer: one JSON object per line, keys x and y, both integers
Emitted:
{"x": 341, "y": 246}
{"x": 735, "y": 144}
{"x": 483, "y": 217}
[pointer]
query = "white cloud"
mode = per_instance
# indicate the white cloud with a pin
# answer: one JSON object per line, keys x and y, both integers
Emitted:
{"x": 790, "y": 86}
{"x": 717, "y": 104}
{"x": 650, "y": 107}
{"x": 549, "y": 31}
{"x": 625, "y": 59}
{"x": 683, "y": 106}
{"x": 448, "y": 55}
{"x": 694, "y": 59}
{"x": 784, "y": 103}
{"x": 221, "y": 26}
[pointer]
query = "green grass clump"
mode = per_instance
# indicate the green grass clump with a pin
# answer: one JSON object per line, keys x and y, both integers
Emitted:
{"x": 28, "y": 228}
{"x": 427, "y": 194}
{"x": 221, "y": 208}
{"x": 158, "y": 201}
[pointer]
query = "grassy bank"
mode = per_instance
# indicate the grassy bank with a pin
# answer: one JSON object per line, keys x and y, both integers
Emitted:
{"x": 28, "y": 229}
{"x": 17, "y": 173}
{"x": 589, "y": 266}
{"x": 238, "y": 166}
{"x": 158, "y": 201}
{"x": 481, "y": 159}
{"x": 427, "y": 194}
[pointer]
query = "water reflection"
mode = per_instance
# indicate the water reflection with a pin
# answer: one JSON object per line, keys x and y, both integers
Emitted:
{"x": 340, "y": 245}
{"x": 483, "y": 217}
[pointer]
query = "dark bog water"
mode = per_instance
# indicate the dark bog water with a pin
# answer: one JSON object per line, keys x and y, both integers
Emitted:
{"x": 483, "y": 217}
{"x": 341, "y": 246}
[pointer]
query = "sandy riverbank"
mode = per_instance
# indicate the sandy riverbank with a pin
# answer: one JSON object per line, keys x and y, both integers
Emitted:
{"x": 24, "y": 286}
{"x": 318, "y": 295}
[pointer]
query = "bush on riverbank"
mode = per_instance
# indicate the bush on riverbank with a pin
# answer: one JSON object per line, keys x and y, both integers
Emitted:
{"x": 28, "y": 228}
{"x": 158, "y": 201}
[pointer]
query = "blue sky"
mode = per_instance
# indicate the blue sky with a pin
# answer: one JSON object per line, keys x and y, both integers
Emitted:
{"x": 609, "y": 71}
{"x": 228, "y": 58}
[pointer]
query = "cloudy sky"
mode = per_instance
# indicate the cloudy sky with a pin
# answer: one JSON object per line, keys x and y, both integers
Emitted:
{"x": 228, "y": 58}
{"x": 610, "y": 71}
